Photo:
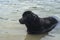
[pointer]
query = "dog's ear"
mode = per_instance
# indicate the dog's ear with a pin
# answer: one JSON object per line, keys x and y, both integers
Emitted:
{"x": 36, "y": 18}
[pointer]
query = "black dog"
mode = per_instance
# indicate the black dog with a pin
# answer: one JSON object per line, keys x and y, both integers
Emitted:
{"x": 36, "y": 25}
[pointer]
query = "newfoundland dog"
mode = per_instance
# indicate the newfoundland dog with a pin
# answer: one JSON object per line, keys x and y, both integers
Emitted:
{"x": 37, "y": 25}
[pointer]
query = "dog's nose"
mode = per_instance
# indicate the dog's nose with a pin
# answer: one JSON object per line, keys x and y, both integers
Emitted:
{"x": 21, "y": 21}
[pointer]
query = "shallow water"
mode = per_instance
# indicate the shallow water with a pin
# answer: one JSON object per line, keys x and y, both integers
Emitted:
{"x": 11, "y": 11}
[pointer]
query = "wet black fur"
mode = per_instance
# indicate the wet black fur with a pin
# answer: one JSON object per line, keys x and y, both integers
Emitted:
{"x": 37, "y": 25}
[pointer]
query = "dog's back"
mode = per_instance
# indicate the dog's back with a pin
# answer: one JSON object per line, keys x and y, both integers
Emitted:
{"x": 48, "y": 24}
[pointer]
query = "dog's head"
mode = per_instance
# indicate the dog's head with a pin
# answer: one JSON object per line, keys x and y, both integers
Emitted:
{"x": 28, "y": 16}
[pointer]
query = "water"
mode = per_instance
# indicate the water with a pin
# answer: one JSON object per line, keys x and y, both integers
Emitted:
{"x": 12, "y": 10}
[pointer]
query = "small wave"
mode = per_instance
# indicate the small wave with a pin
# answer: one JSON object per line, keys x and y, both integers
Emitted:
{"x": 4, "y": 18}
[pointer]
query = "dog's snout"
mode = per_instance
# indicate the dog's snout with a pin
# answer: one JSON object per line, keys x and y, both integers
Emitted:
{"x": 21, "y": 21}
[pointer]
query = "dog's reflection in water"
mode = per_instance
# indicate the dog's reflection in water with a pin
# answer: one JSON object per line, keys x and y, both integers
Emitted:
{"x": 35, "y": 37}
